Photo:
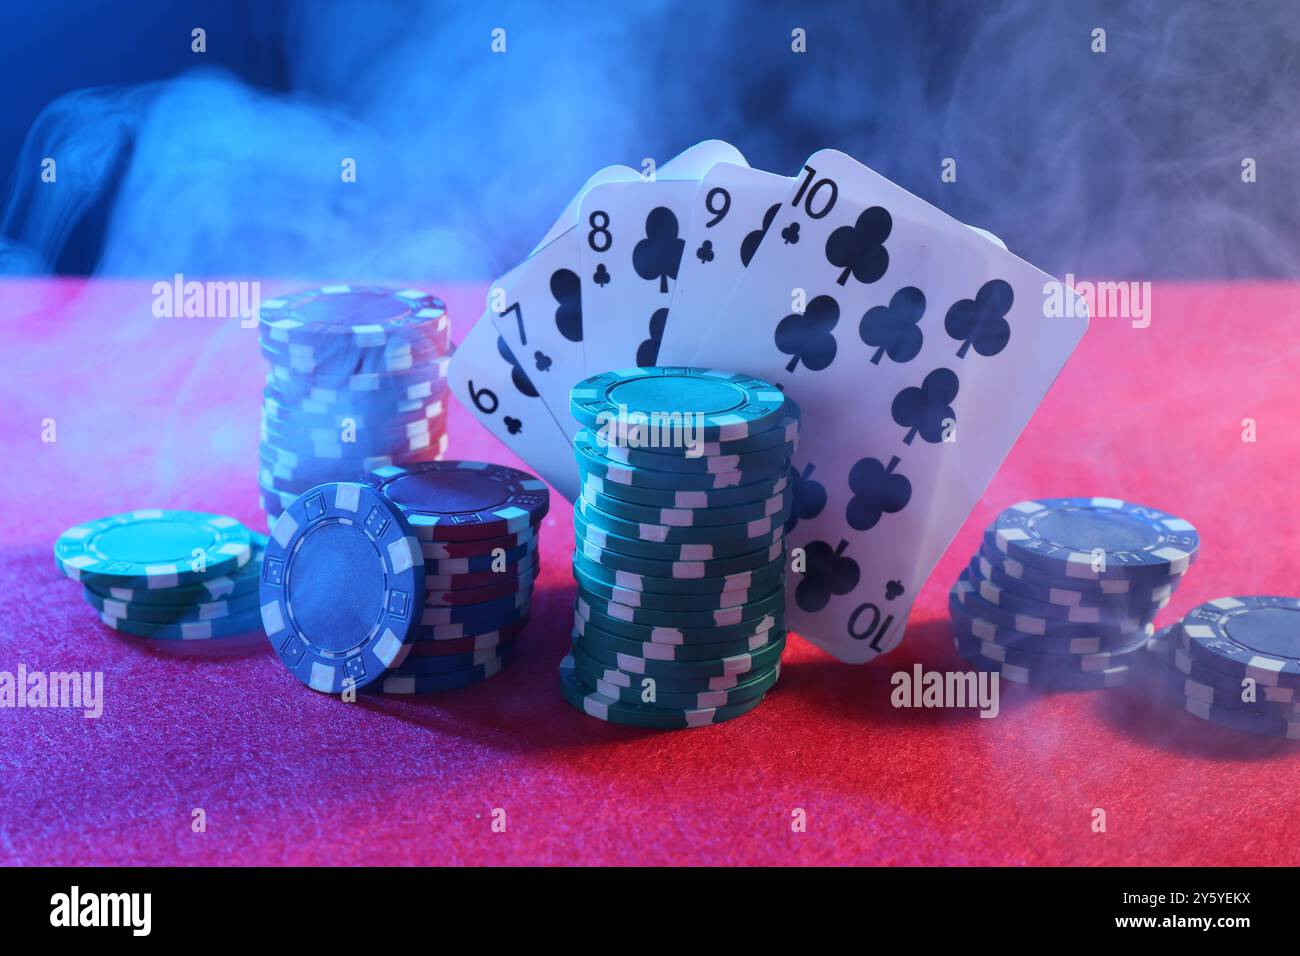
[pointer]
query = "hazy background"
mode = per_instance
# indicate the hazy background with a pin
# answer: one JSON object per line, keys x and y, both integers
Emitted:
{"x": 1126, "y": 163}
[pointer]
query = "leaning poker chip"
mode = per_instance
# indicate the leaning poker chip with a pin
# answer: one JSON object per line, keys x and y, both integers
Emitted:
{"x": 685, "y": 569}
{"x": 192, "y": 631}
{"x": 760, "y": 528}
{"x": 1055, "y": 679}
{"x": 460, "y": 500}
{"x": 744, "y": 631}
{"x": 435, "y": 683}
{"x": 591, "y": 462}
{"x": 685, "y": 517}
{"x": 663, "y": 698}
{"x": 614, "y": 711}
{"x": 768, "y": 606}
{"x": 631, "y": 680}
{"x": 589, "y": 533}
{"x": 1256, "y": 636}
{"x": 760, "y": 579}
{"x": 697, "y": 501}
{"x": 748, "y": 662}
{"x": 1061, "y": 535}
{"x": 1032, "y": 621}
{"x": 668, "y": 602}
{"x": 722, "y": 406}
{"x": 153, "y": 549}
{"x": 342, "y": 586}
{"x": 242, "y": 606}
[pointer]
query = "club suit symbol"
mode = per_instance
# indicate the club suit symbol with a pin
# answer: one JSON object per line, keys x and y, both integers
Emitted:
{"x": 659, "y": 254}
{"x": 859, "y": 249}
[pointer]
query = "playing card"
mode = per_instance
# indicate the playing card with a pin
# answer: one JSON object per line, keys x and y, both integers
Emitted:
{"x": 537, "y": 308}
{"x": 918, "y": 351}
{"x": 632, "y": 241}
{"x": 730, "y": 213}
{"x": 488, "y": 380}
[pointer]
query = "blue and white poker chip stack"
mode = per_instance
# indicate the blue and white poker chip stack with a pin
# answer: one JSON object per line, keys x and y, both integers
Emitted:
{"x": 414, "y": 580}
{"x": 680, "y": 545}
{"x": 357, "y": 380}
{"x": 1234, "y": 662}
{"x": 1063, "y": 591}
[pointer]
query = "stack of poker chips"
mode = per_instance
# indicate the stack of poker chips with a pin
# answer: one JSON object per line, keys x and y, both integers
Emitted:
{"x": 680, "y": 553}
{"x": 357, "y": 379}
{"x": 413, "y": 580}
{"x": 1063, "y": 591}
{"x": 1234, "y": 662}
{"x": 167, "y": 575}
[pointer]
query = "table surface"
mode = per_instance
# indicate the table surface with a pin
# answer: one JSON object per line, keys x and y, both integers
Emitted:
{"x": 163, "y": 413}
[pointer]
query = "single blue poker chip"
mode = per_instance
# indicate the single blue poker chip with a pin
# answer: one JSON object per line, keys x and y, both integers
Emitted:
{"x": 461, "y": 500}
{"x": 709, "y": 404}
{"x": 1257, "y": 636}
{"x": 614, "y": 711}
{"x": 436, "y": 683}
{"x": 1095, "y": 538}
{"x": 342, "y": 586}
{"x": 153, "y": 549}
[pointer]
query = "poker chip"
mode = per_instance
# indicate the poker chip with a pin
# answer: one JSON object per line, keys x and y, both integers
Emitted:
{"x": 489, "y": 612}
{"x": 442, "y": 550}
{"x": 965, "y": 593}
{"x": 1095, "y": 539}
{"x": 461, "y": 500}
{"x": 683, "y": 518}
{"x": 737, "y": 544}
{"x": 765, "y": 528}
{"x": 667, "y": 602}
{"x": 685, "y": 499}
{"x": 761, "y": 461}
{"x": 1195, "y": 670}
{"x": 1138, "y": 601}
{"x": 592, "y": 463}
{"x": 785, "y": 432}
{"x": 342, "y": 586}
{"x": 476, "y": 564}
{"x": 240, "y": 583}
{"x": 614, "y": 711}
{"x": 427, "y": 638}
{"x": 520, "y": 571}
{"x": 1257, "y": 637}
{"x": 744, "y": 663}
{"x": 674, "y": 566}
{"x": 720, "y": 406}
{"x": 186, "y": 631}
{"x": 356, "y": 380}
{"x": 244, "y": 606}
{"x": 1054, "y": 679}
{"x": 594, "y": 670}
{"x": 1042, "y": 661}
{"x": 153, "y": 549}
{"x": 649, "y": 693}
{"x": 449, "y": 663}
{"x": 742, "y": 634}
{"x": 767, "y": 606}
{"x": 1093, "y": 641}
{"x": 436, "y": 683}
{"x": 1182, "y": 688}
{"x": 760, "y": 579}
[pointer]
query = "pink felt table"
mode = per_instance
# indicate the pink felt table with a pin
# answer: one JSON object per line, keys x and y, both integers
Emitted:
{"x": 163, "y": 413}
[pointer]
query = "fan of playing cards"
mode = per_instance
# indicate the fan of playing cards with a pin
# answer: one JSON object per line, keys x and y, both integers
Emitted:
{"x": 916, "y": 346}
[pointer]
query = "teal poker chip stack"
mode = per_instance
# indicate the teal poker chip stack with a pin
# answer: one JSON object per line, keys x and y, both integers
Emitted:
{"x": 1233, "y": 662}
{"x": 356, "y": 380}
{"x": 168, "y": 576}
{"x": 679, "y": 552}
{"x": 1063, "y": 592}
